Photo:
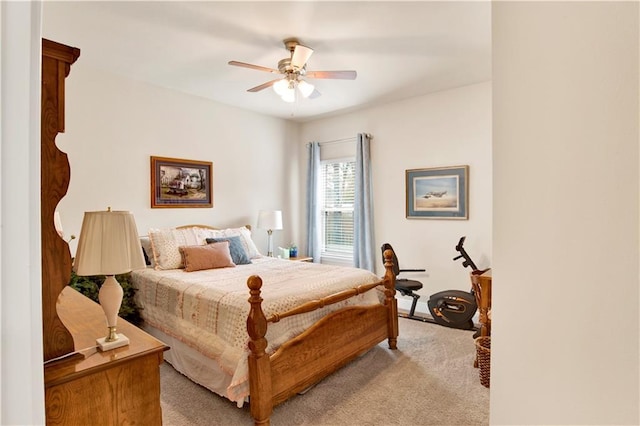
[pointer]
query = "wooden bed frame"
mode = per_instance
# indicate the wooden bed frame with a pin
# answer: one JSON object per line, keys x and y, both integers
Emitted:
{"x": 320, "y": 350}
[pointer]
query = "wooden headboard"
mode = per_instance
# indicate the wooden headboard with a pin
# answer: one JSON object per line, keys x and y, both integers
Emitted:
{"x": 206, "y": 227}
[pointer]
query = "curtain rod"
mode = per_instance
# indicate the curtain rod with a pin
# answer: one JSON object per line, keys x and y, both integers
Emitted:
{"x": 351, "y": 139}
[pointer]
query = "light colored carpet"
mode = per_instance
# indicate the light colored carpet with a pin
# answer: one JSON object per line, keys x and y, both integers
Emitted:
{"x": 429, "y": 380}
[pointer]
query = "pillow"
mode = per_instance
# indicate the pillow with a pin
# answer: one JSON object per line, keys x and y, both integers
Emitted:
{"x": 238, "y": 254}
{"x": 252, "y": 250}
{"x": 245, "y": 238}
{"x": 165, "y": 243}
{"x": 210, "y": 256}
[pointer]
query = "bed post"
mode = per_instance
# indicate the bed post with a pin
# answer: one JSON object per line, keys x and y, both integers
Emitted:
{"x": 390, "y": 299}
{"x": 260, "y": 392}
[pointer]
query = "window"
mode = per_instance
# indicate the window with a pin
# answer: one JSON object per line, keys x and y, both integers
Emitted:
{"x": 336, "y": 209}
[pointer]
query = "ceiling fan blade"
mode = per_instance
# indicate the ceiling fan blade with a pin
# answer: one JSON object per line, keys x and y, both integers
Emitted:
{"x": 315, "y": 94}
{"x": 300, "y": 56}
{"x": 253, "y": 67}
{"x": 343, "y": 75}
{"x": 264, "y": 85}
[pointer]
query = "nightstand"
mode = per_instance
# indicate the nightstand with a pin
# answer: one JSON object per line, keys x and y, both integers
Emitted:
{"x": 301, "y": 259}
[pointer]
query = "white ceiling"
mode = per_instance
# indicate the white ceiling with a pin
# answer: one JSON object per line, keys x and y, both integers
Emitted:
{"x": 399, "y": 49}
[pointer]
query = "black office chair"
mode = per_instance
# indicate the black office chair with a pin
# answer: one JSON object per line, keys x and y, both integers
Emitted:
{"x": 404, "y": 286}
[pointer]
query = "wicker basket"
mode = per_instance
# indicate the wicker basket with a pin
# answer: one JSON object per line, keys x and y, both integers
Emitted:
{"x": 483, "y": 350}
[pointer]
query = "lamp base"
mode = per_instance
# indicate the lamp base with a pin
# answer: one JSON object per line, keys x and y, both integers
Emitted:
{"x": 103, "y": 345}
{"x": 270, "y": 243}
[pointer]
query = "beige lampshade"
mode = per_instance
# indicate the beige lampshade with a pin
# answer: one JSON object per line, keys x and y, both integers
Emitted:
{"x": 270, "y": 219}
{"x": 109, "y": 244}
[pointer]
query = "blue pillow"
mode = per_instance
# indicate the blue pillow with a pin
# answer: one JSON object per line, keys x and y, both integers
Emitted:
{"x": 238, "y": 254}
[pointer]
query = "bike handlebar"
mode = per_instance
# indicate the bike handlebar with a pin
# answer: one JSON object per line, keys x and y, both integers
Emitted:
{"x": 463, "y": 253}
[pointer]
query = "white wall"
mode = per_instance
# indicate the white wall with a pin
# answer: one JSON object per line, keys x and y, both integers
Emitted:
{"x": 565, "y": 245}
{"x": 115, "y": 124}
{"x": 447, "y": 128}
{"x": 21, "y": 356}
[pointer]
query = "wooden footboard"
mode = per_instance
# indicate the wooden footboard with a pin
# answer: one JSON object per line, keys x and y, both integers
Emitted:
{"x": 331, "y": 343}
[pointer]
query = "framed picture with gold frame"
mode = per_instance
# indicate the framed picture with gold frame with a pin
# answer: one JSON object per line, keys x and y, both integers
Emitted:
{"x": 177, "y": 182}
{"x": 438, "y": 193}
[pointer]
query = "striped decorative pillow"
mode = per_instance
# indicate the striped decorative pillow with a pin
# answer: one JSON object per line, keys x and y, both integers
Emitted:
{"x": 165, "y": 245}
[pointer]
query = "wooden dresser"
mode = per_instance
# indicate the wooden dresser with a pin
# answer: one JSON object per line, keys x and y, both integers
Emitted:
{"x": 116, "y": 387}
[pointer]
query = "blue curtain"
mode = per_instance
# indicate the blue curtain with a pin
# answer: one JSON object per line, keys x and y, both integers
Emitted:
{"x": 363, "y": 245}
{"x": 313, "y": 191}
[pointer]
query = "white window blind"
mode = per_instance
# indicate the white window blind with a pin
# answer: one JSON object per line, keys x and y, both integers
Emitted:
{"x": 337, "y": 198}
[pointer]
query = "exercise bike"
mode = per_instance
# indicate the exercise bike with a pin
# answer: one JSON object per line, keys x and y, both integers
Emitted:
{"x": 455, "y": 308}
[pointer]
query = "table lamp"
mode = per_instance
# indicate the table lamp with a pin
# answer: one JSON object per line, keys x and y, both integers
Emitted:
{"x": 109, "y": 245}
{"x": 270, "y": 220}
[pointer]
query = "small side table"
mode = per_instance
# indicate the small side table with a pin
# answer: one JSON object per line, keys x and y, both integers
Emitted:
{"x": 481, "y": 283}
{"x": 301, "y": 259}
{"x": 482, "y": 287}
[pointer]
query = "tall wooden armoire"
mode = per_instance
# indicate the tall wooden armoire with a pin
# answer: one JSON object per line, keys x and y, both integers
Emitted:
{"x": 54, "y": 181}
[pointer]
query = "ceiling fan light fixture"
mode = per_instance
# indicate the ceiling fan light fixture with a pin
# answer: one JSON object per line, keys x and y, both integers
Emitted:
{"x": 289, "y": 95}
{"x": 305, "y": 88}
{"x": 281, "y": 86}
{"x": 293, "y": 69}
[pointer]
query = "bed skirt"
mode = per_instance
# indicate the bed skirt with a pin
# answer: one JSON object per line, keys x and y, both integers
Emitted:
{"x": 192, "y": 364}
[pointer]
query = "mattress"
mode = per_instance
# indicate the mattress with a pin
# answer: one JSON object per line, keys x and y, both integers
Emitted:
{"x": 206, "y": 311}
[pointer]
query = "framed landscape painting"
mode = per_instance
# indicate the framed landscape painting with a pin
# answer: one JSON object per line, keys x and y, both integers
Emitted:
{"x": 438, "y": 193}
{"x": 181, "y": 183}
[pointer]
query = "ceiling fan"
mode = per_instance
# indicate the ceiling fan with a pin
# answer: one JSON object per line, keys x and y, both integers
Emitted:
{"x": 293, "y": 69}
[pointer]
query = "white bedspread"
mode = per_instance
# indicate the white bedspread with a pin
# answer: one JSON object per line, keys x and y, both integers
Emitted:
{"x": 207, "y": 310}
